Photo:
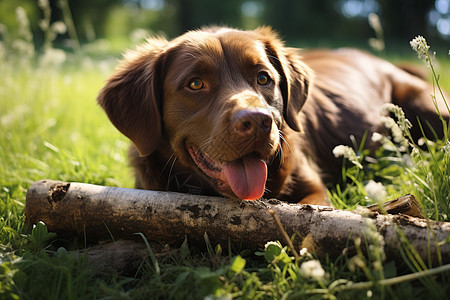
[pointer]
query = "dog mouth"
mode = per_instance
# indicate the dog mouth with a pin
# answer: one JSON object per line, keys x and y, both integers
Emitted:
{"x": 245, "y": 177}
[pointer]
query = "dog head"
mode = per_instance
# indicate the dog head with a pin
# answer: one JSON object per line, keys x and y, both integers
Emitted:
{"x": 221, "y": 97}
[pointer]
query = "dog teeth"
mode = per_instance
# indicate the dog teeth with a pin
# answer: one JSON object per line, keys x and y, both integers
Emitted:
{"x": 210, "y": 163}
{"x": 207, "y": 161}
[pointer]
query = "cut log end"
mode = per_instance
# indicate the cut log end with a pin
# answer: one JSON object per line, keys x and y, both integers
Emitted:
{"x": 406, "y": 205}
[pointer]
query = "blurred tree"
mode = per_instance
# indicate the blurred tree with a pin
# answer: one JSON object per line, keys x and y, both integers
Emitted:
{"x": 90, "y": 17}
{"x": 405, "y": 18}
{"x": 314, "y": 21}
{"x": 193, "y": 14}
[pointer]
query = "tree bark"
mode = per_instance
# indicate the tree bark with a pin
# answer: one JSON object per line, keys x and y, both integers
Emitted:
{"x": 99, "y": 212}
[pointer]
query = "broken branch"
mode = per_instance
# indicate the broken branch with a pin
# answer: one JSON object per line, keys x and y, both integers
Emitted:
{"x": 97, "y": 212}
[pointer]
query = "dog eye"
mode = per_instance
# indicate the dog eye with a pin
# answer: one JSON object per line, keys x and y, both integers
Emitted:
{"x": 263, "y": 78}
{"x": 196, "y": 84}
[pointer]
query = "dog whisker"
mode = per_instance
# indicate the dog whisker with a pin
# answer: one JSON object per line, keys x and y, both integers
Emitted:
{"x": 169, "y": 178}
{"x": 173, "y": 156}
{"x": 286, "y": 142}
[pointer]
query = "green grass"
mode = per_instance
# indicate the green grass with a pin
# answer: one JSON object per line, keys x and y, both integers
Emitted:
{"x": 51, "y": 127}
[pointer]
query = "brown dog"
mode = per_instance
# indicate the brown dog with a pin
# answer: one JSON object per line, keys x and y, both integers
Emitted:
{"x": 236, "y": 113}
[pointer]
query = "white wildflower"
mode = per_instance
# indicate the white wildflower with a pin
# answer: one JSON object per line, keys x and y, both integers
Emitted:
{"x": 384, "y": 141}
{"x": 24, "y": 24}
{"x": 312, "y": 269}
{"x": 375, "y": 240}
{"x": 415, "y": 153}
{"x": 375, "y": 191}
{"x": 347, "y": 152}
{"x": 374, "y": 22}
{"x": 53, "y": 57}
{"x": 402, "y": 121}
{"x": 396, "y": 131}
{"x": 303, "y": 252}
{"x": 59, "y": 27}
{"x": 446, "y": 148}
{"x": 420, "y": 46}
{"x": 378, "y": 42}
{"x": 24, "y": 46}
{"x": 356, "y": 262}
{"x": 43, "y": 3}
{"x": 377, "y": 137}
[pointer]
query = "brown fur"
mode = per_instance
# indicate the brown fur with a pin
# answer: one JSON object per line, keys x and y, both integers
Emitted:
{"x": 313, "y": 103}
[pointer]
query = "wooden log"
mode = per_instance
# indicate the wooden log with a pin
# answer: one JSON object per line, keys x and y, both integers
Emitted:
{"x": 124, "y": 256}
{"x": 99, "y": 212}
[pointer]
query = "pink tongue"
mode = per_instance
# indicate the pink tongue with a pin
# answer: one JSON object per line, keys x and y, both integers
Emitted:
{"x": 246, "y": 177}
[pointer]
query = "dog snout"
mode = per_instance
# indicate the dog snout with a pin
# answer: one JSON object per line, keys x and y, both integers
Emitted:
{"x": 252, "y": 123}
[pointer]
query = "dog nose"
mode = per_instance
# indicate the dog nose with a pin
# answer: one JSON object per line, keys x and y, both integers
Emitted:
{"x": 252, "y": 122}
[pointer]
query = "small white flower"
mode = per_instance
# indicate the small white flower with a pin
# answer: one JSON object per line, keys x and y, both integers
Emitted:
{"x": 446, "y": 148}
{"x": 375, "y": 240}
{"x": 420, "y": 46}
{"x": 396, "y": 131}
{"x": 303, "y": 252}
{"x": 43, "y": 3}
{"x": 378, "y": 42}
{"x": 59, "y": 27}
{"x": 402, "y": 122}
{"x": 377, "y": 137}
{"x": 375, "y": 191}
{"x": 348, "y": 153}
{"x": 312, "y": 269}
{"x": 374, "y": 22}
{"x": 415, "y": 153}
{"x": 53, "y": 57}
{"x": 384, "y": 141}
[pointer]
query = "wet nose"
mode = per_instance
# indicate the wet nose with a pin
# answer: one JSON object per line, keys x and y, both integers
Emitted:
{"x": 251, "y": 122}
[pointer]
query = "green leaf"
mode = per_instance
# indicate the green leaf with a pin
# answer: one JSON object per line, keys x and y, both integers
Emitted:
{"x": 40, "y": 235}
{"x": 238, "y": 264}
{"x": 272, "y": 250}
{"x": 184, "y": 249}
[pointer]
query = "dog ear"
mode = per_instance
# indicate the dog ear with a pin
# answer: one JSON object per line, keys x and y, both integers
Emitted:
{"x": 132, "y": 95}
{"x": 295, "y": 76}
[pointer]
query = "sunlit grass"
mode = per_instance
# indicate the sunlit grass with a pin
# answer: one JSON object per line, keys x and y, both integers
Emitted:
{"x": 51, "y": 127}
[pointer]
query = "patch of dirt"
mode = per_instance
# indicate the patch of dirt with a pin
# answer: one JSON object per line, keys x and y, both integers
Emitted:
{"x": 57, "y": 193}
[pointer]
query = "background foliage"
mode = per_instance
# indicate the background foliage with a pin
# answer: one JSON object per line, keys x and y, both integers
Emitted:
{"x": 314, "y": 22}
